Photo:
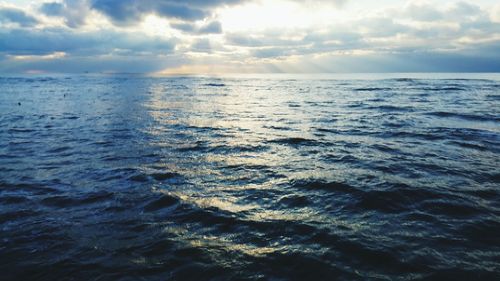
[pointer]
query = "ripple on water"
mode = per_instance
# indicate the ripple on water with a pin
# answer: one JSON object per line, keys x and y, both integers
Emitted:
{"x": 294, "y": 141}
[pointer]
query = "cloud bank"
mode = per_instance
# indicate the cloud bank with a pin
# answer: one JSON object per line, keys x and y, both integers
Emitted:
{"x": 249, "y": 36}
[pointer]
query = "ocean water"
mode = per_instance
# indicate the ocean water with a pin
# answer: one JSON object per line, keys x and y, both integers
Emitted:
{"x": 346, "y": 177}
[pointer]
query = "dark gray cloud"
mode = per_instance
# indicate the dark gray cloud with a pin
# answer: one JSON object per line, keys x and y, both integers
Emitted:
{"x": 423, "y": 11}
{"x": 274, "y": 52}
{"x": 52, "y": 9}
{"x": 270, "y": 39}
{"x": 129, "y": 11}
{"x": 478, "y": 60}
{"x": 96, "y": 51}
{"x": 464, "y": 9}
{"x": 213, "y": 27}
{"x": 185, "y": 27}
{"x": 312, "y": 41}
{"x": 202, "y": 46}
{"x": 79, "y": 64}
{"x": 46, "y": 41}
{"x": 381, "y": 27}
{"x": 74, "y": 12}
{"x": 11, "y": 15}
{"x": 427, "y": 12}
{"x": 245, "y": 40}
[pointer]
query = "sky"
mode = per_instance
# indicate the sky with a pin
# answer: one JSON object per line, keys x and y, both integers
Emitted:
{"x": 249, "y": 36}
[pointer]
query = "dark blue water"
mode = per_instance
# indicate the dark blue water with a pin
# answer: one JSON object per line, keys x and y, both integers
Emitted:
{"x": 253, "y": 178}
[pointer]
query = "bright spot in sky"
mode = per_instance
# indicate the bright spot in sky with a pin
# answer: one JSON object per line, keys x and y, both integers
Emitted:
{"x": 156, "y": 26}
{"x": 275, "y": 14}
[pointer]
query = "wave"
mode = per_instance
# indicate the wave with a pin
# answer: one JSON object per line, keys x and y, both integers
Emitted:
{"x": 373, "y": 89}
{"x": 215, "y": 85}
{"x": 472, "y": 117}
{"x": 314, "y": 184}
{"x": 158, "y": 176}
{"x": 164, "y": 201}
{"x": 389, "y": 108}
{"x": 280, "y": 128}
{"x": 294, "y": 201}
{"x": 294, "y": 141}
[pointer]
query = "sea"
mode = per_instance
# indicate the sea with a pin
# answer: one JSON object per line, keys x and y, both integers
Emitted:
{"x": 250, "y": 177}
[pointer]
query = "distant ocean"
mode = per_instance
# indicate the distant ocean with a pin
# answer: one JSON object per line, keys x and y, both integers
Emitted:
{"x": 250, "y": 177}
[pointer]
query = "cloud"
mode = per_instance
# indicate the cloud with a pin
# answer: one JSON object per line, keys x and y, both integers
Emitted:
{"x": 47, "y": 41}
{"x": 273, "y": 52}
{"x": 378, "y": 26}
{"x": 202, "y": 46}
{"x": 449, "y": 30}
{"x": 16, "y": 16}
{"x": 422, "y": 11}
{"x": 337, "y": 3}
{"x": 131, "y": 12}
{"x": 126, "y": 12}
{"x": 79, "y": 64}
{"x": 464, "y": 9}
{"x": 427, "y": 11}
{"x": 65, "y": 50}
{"x": 268, "y": 39}
{"x": 185, "y": 27}
{"x": 495, "y": 13}
{"x": 213, "y": 27}
{"x": 478, "y": 60}
{"x": 52, "y": 9}
{"x": 74, "y": 12}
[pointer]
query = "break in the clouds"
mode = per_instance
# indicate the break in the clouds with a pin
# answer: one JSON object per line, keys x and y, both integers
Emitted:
{"x": 199, "y": 36}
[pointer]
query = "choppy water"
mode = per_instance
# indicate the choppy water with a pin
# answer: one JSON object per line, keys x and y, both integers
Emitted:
{"x": 280, "y": 178}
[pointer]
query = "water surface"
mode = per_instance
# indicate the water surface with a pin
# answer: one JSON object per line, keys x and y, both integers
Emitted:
{"x": 388, "y": 177}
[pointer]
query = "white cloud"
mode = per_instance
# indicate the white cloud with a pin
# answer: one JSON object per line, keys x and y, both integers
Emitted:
{"x": 495, "y": 13}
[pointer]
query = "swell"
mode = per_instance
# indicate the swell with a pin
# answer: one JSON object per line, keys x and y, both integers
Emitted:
{"x": 472, "y": 117}
{"x": 341, "y": 246}
{"x": 295, "y": 141}
{"x": 396, "y": 198}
